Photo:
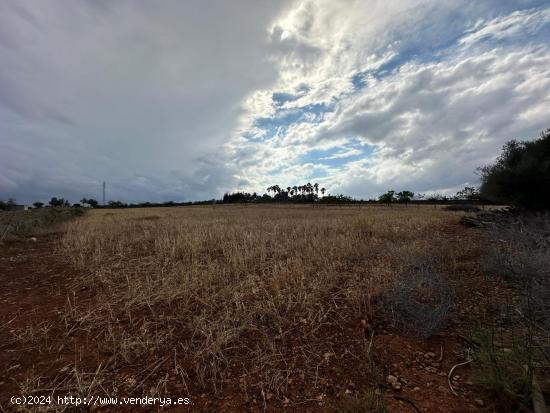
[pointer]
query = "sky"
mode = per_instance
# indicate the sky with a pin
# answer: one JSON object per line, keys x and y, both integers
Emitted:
{"x": 185, "y": 100}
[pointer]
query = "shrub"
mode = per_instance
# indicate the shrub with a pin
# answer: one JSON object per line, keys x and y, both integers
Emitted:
{"x": 506, "y": 372}
{"x": 366, "y": 402}
{"x": 521, "y": 174}
{"x": 520, "y": 254}
{"x": 419, "y": 303}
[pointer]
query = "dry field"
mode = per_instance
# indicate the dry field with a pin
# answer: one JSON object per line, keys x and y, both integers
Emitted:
{"x": 243, "y": 309}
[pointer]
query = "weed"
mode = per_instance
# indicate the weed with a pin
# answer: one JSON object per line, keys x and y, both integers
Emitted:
{"x": 505, "y": 371}
{"x": 419, "y": 303}
{"x": 369, "y": 401}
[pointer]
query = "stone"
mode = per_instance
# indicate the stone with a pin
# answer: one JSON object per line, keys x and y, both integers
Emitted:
{"x": 393, "y": 381}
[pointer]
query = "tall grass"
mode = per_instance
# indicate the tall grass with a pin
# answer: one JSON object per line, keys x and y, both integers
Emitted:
{"x": 230, "y": 285}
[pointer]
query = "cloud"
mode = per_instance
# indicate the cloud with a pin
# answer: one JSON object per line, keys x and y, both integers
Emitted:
{"x": 434, "y": 113}
{"x": 187, "y": 100}
{"x": 106, "y": 91}
{"x": 524, "y": 22}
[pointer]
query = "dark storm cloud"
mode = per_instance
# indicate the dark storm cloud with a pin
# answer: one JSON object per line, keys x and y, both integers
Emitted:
{"x": 93, "y": 91}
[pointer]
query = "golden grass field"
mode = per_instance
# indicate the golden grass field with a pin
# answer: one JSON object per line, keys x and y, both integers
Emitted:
{"x": 245, "y": 308}
{"x": 226, "y": 288}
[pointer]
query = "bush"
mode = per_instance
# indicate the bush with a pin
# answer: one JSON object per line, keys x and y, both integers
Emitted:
{"x": 520, "y": 254}
{"x": 420, "y": 303}
{"x": 506, "y": 372}
{"x": 521, "y": 175}
{"x": 366, "y": 402}
{"x": 520, "y": 251}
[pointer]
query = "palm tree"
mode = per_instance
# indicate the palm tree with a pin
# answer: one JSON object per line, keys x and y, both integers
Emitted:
{"x": 323, "y": 191}
{"x": 316, "y": 187}
{"x": 295, "y": 189}
{"x": 288, "y": 189}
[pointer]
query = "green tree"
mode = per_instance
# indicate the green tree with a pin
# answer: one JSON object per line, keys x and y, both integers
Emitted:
{"x": 521, "y": 174}
{"x": 92, "y": 202}
{"x": 405, "y": 196}
{"x": 468, "y": 193}
{"x": 6, "y": 205}
{"x": 58, "y": 202}
{"x": 116, "y": 204}
{"x": 38, "y": 204}
{"x": 387, "y": 198}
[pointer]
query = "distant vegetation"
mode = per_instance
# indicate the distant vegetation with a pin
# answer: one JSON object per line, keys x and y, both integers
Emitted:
{"x": 302, "y": 194}
{"x": 23, "y": 224}
{"x": 298, "y": 194}
{"x": 306, "y": 193}
{"x": 470, "y": 194}
{"x": 6, "y": 205}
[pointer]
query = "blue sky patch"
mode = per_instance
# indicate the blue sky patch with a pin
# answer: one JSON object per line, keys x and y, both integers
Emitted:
{"x": 339, "y": 156}
{"x": 279, "y": 123}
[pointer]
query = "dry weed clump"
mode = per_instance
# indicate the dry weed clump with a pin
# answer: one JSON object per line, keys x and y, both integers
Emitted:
{"x": 420, "y": 302}
{"x": 520, "y": 254}
{"x": 250, "y": 289}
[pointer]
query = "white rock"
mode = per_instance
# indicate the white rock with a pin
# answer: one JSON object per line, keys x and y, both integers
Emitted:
{"x": 393, "y": 381}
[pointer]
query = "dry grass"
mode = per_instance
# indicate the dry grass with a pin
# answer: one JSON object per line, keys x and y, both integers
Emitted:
{"x": 251, "y": 290}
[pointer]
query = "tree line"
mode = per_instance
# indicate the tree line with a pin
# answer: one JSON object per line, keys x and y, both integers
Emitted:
{"x": 308, "y": 193}
{"x": 58, "y": 202}
{"x": 297, "y": 193}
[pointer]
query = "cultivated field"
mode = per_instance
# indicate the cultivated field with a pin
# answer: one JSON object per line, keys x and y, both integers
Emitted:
{"x": 250, "y": 308}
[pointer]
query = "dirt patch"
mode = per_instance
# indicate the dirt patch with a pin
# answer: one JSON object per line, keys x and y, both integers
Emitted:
{"x": 34, "y": 286}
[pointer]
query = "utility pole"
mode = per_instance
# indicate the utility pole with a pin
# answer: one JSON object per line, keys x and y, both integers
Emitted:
{"x": 103, "y": 193}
